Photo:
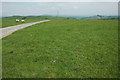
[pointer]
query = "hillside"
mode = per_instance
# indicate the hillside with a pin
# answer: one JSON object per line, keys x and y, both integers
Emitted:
{"x": 101, "y": 17}
{"x": 70, "y": 48}
{"x": 36, "y": 17}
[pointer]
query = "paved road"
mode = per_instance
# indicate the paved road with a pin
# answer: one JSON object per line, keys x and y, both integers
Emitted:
{"x": 9, "y": 30}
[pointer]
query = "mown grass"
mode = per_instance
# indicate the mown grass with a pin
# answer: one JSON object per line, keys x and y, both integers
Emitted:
{"x": 12, "y": 22}
{"x": 63, "y": 49}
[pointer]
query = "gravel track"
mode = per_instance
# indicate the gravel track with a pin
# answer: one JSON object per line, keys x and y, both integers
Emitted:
{"x": 9, "y": 30}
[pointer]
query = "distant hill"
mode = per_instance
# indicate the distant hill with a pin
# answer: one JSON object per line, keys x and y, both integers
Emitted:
{"x": 36, "y": 17}
{"x": 101, "y": 17}
{"x": 62, "y": 17}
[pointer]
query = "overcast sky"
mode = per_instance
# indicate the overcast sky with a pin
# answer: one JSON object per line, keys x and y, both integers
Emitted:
{"x": 64, "y": 8}
{"x": 60, "y": 0}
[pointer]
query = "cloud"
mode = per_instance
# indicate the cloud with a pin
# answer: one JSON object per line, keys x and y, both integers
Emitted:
{"x": 75, "y": 7}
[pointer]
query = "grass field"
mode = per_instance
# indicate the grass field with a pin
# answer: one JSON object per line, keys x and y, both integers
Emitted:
{"x": 63, "y": 49}
{"x": 12, "y": 22}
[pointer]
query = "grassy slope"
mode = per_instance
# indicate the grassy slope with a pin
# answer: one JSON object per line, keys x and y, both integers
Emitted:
{"x": 68, "y": 48}
{"x": 12, "y": 22}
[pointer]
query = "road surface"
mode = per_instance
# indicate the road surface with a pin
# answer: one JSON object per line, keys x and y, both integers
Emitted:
{"x": 9, "y": 30}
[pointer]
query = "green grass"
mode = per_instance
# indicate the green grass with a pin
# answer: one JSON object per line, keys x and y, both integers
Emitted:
{"x": 63, "y": 49}
{"x": 12, "y": 22}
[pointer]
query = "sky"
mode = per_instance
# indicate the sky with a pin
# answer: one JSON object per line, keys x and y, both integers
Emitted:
{"x": 60, "y": 0}
{"x": 63, "y": 8}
